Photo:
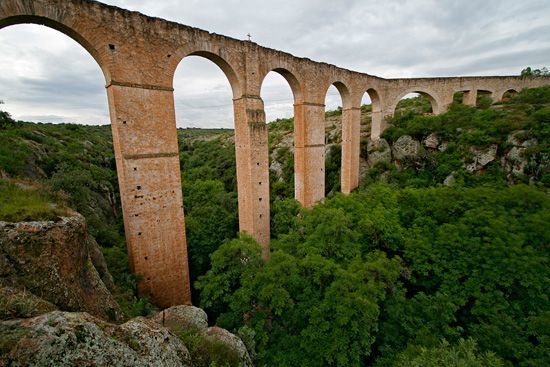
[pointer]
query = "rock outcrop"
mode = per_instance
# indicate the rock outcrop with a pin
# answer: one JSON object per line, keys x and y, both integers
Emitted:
{"x": 193, "y": 319}
{"x": 182, "y": 317}
{"x": 232, "y": 341}
{"x": 405, "y": 146}
{"x": 431, "y": 141}
{"x": 55, "y": 261}
{"x": 379, "y": 151}
{"x": 79, "y": 339}
{"x": 481, "y": 157}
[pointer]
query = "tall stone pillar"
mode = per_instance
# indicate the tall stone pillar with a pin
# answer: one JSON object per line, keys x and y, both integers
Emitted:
{"x": 252, "y": 169}
{"x": 378, "y": 125}
{"x": 146, "y": 151}
{"x": 351, "y": 143}
{"x": 470, "y": 97}
{"x": 309, "y": 153}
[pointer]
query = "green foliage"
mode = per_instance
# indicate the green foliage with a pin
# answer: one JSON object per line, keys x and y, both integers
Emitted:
{"x": 333, "y": 163}
{"x": 211, "y": 219}
{"x": 19, "y": 204}
{"x": 464, "y": 354}
{"x": 282, "y": 124}
{"x": 475, "y": 263}
{"x": 283, "y": 187}
{"x": 535, "y": 72}
{"x": 209, "y": 352}
{"x": 284, "y": 216}
{"x": 6, "y": 120}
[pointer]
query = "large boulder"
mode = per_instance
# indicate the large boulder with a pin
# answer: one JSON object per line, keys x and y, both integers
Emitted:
{"x": 481, "y": 157}
{"x": 183, "y": 317}
{"x": 378, "y": 151}
{"x": 55, "y": 261}
{"x": 405, "y": 146}
{"x": 515, "y": 160}
{"x": 79, "y": 339}
{"x": 232, "y": 341}
{"x": 431, "y": 141}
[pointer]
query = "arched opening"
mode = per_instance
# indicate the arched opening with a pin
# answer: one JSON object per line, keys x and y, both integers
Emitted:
{"x": 278, "y": 97}
{"x": 62, "y": 140}
{"x": 204, "y": 88}
{"x": 508, "y": 95}
{"x": 417, "y": 102}
{"x": 458, "y": 97}
{"x": 484, "y": 98}
{"x": 336, "y": 98}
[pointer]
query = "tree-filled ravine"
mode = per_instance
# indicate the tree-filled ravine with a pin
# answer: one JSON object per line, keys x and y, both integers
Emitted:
{"x": 440, "y": 257}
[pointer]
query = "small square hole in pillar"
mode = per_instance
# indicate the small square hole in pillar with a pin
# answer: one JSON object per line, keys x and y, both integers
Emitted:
{"x": 111, "y": 46}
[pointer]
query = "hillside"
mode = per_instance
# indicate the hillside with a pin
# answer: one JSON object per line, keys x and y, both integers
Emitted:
{"x": 442, "y": 252}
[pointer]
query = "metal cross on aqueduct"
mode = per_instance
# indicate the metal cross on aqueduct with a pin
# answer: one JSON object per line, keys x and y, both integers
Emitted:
{"x": 139, "y": 55}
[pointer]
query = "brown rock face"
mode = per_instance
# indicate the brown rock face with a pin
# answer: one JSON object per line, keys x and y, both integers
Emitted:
{"x": 53, "y": 260}
{"x": 78, "y": 339}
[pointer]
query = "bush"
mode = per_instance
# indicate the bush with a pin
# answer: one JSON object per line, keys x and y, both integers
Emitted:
{"x": 18, "y": 204}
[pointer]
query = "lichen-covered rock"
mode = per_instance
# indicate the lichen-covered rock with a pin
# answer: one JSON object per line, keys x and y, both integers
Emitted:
{"x": 516, "y": 161}
{"x": 405, "y": 146}
{"x": 431, "y": 141}
{"x": 481, "y": 157}
{"x": 378, "y": 151}
{"x": 183, "y": 317}
{"x": 277, "y": 168}
{"x": 232, "y": 341}
{"x": 99, "y": 263}
{"x": 79, "y": 339}
{"x": 52, "y": 260}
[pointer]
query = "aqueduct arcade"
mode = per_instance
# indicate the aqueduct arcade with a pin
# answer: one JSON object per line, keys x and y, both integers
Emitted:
{"x": 139, "y": 55}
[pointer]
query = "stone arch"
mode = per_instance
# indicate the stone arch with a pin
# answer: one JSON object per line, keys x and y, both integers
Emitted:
{"x": 377, "y": 119}
{"x": 229, "y": 71}
{"x": 63, "y": 28}
{"x": 375, "y": 99}
{"x": 501, "y": 94}
{"x": 437, "y": 105}
{"x": 344, "y": 91}
{"x": 485, "y": 92}
{"x": 292, "y": 80}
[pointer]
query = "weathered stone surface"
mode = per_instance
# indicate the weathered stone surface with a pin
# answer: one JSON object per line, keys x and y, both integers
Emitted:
{"x": 178, "y": 318}
{"x": 277, "y": 168}
{"x": 481, "y": 157}
{"x": 431, "y": 141}
{"x": 53, "y": 261}
{"x": 378, "y": 151}
{"x": 405, "y": 146}
{"x": 231, "y": 340}
{"x": 515, "y": 161}
{"x": 79, "y": 339}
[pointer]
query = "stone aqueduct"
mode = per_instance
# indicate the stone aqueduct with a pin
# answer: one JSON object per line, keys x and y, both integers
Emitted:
{"x": 139, "y": 55}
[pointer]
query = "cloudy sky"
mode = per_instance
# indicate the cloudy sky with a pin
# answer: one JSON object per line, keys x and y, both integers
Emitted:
{"x": 46, "y": 76}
